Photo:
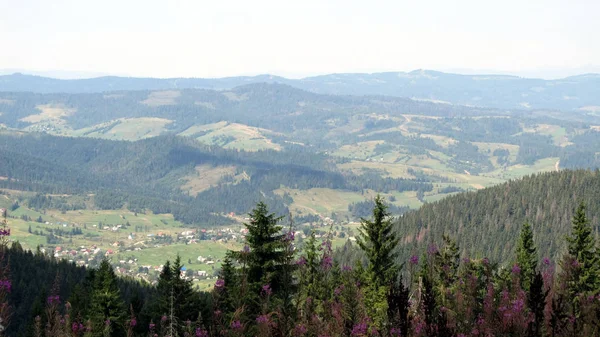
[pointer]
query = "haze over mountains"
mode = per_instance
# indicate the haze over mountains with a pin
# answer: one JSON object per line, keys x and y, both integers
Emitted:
{"x": 494, "y": 91}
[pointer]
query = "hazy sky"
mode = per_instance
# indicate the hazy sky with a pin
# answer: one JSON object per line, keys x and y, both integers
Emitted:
{"x": 296, "y": 38}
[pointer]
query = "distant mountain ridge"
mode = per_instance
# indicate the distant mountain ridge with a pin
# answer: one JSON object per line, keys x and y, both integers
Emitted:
{"x": 493, "y": 91}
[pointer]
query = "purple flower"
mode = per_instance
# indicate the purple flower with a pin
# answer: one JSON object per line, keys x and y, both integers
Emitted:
{"x": 220, "y": 283}
{"x": 432, "y": 249}
{"x": 201, "y": 333}
{"x": 359, "y": 329}
{"x": 414, "y": 260}
{"x": 327, "y": 262}
{"x": 53, "y": 299}
{"x": 485, "y": 261}
{"x": 246, "y": 249}
{"x": 4, "y": 231}
{"x": 262, "y": 319}
{"x": 107, "y": 322}
{"x": 236, "y": 325}
{"x": 289, "y": 236}
{"x": 338, "y": 290}
{"x": 301, "y": 261}
{"x": 133, "y": 322}
{"x": 346, "y": 268}
{"x": 546, "y": 261}
{"x": 75, "y": 327}
{"x": 163, "y": 319}
{"x": 516, "y": 269}
{"x": 518, "y": 305}
{"x": 5, "y": 285}
{"x": 300, "y": 330}
{"x": 266, "y": 289}
{"x": 152, "y": 326}
{"x": 395, "y": 332}
{"x": 466, "y": 260}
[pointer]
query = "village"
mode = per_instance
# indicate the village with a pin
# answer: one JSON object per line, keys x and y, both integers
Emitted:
{"x": 141, "y": 252}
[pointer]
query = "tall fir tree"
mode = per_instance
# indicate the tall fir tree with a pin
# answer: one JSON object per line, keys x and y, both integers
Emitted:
{"x": 582, "y": 250}
{"x": 107, "y": 310}
{"x": 526, "y": 256}
{"x": 176, "y": 299}
{"x": 228, "y": 291}
{"x": 265, "y": 257}
{"x": 378, "y": 240}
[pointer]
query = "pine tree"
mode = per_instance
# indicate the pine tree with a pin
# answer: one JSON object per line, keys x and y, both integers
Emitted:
{"x": 107, "y": 310}
{"x": 378, "y": 240}
{"x": 582, "y": 249}
{"x": 526, "y": 256}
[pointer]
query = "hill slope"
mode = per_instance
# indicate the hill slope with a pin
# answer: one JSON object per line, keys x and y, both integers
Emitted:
{"x": 488, "y": 222}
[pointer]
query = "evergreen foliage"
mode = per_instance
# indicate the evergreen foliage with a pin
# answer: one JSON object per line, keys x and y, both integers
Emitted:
{"x": 527, "y": 256}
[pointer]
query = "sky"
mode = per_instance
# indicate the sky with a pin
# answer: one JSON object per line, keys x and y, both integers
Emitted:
{"x": 217, "y": 38}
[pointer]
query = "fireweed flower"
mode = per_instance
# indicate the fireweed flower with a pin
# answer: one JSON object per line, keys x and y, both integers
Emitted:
{"x": 201, "y": 333}
{"x": 262, "y": 319}
{"x": 53, "y": 299}
{"x": 346, "y": 268}
{"x": 300, "y": 330}
{"x": 220, "y": 283}
{"x": 414, "y": 260}
{"x": 289, "y": 236}
{"x": 5, "y": 285}
{"x": 236, "y": 325}
{"x": 163, "y": 319}
{"x": 432, "y": 249}
{"x": 266, "y": 290}
{"x": 516, "y": 269}
{"x": 546, "y": 261}
{"x": 133, "y": 322}
{"x": 359, "y": 329}
{"x": 301, "y": 261}
{"x": 327, "y": 262}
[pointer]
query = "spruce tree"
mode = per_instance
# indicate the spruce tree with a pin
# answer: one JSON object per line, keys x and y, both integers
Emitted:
{"x": 265, "y": 241}
{"x": 182, "y": 295}
{"x": 107, "y": 310}
{"x": 228, "y": 291}
{"x": 526, "y": 256}
{"x": 582, "y": 251}
{"x": 378, "y": 240}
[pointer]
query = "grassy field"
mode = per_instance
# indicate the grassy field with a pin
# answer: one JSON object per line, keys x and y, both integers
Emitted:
{"x": 233, "y": 135}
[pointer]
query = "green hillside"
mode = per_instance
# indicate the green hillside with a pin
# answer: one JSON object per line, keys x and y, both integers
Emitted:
{"x": 486, "y": 222}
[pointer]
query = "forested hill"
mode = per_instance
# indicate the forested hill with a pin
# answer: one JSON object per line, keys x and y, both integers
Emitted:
{"x": 195, "y": 182}
{"x": 497, "y": 91}
{"x": 488, "y": 222}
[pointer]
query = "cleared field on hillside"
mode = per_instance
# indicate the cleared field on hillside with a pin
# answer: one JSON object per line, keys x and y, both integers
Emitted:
{"x": 126, "y": 129}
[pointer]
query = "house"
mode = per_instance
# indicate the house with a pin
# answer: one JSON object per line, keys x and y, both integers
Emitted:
{"x": 202, "y": 273}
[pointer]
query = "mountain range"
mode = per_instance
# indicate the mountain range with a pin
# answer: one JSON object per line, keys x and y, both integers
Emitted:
{"x": 493, "y": 91}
